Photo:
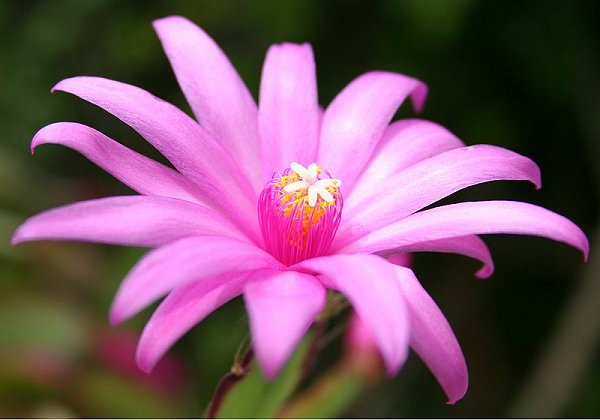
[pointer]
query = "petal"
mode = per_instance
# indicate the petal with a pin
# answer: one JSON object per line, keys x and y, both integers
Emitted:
{"x": 432, "y": 338}
{"x": 288, "y": 117}
{"x": 189, "y": 148}
{"x": 181, "y": 262}
{"x": 403, "y": 144}
{"x": 369, "y": 283}
{"x": 356, "y": 119}
{"x": 430, "y": 180}
{"x": 470, "y": 246}
{"x": 140, "y": 173}
{"x": 470, "y": 218}
{"x": 281, "y": 306}
{"x": 218, "y": 96}
{"x": 129, "y": 220}
{"x": 404, "y": 259}
{"x": 180, "y": 311}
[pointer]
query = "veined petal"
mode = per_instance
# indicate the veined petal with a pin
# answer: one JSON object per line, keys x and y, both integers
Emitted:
{"x": 432, "y": 338}
{"x": 356, "y": 119}
{"x": 428, "y": 181}
{"x": 181, "y": 310}
{"x": 403, "y": 144}
{"x": 288, "y": 117}
{"x": 181, "y": 262}
{"x": 369, "y": 283}
{"x": 191, "y": 150}
{"x": 127, "y": 220}
{"x": 479, "y": 217}
{"x": 218, "y": 96}
{"x": 138, "y": 172}
{"x": 281, "y": 306}
{"x": 470, "y": 246}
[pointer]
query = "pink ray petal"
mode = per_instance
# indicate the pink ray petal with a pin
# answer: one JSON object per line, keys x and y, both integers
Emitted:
{"x": 479, "y": 217}
{"x": 432, "y": 338}
{"x": 470, "y": 246}
{"x": 191, "y": 150}
{"x": 357, "y": 118}
{"x": 288, "y": 117}
{"x": 428, "y": 181}
{"x": 281, "y": 306}
{"x": 140, "y": 173}
{"x": 218, "y": 96}
{"x": 404, "y": 259}
{"x": 403, "y": 144}
{"x": 369, "y": 283}
{"x": 181, "y": 310}
{"x": 181, "y": 262}
{"x": 127, "y": 220}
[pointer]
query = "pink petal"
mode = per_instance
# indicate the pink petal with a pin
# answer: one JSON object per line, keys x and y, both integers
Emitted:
{"x": 356, "y": 119}
{"x": 214, "y": 90}
{"x": 289, "y": 111}
{"x": 428, "y": 181}
{"x": 404, "y": 259}
{"x": 473, "y": 218}
{"x": 432, "y": 337}
{"x": 369, "y": 283}
{"x": 191, "y": 150}
{"x": 281, "y": 306}
{"x": 180, "y": 311}
{"x": 129, "y": 220}
{"x": 140, "y": 173}
{"x": 403, "y": 144}
{"x": 470, "y": 246}
{"x": 181, "y": 262}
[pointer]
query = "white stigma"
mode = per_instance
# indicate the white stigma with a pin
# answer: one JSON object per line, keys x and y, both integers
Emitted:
{"x": 309, "y": 180}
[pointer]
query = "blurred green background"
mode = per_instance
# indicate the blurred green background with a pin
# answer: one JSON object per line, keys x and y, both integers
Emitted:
{"x": 523, "y": 75}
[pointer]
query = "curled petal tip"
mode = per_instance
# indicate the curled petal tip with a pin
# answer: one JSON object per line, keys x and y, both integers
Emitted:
{"x": 484, "y": 272}
{"x": 17, "y": 237}
{"x": 157, "y": 23}
{"x": 419, "y": 97}
{"x": 143, "y": 362}
{"x": 115, "y": 316}
{"x": 269, "y": 372}
{"x": 57, "y": 86}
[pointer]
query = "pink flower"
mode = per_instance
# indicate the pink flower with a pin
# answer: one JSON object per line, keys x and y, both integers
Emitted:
{"x": 210, "y": 244}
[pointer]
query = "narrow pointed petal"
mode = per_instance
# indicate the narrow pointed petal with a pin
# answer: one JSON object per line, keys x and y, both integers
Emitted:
{"x": 288, "y": 109}
{"x": 480, "y": 217}
{"x": 403, "y": 144}
{"x": 281, "y": 306}
{"x": 138, "y": 172}
{"x": 218, "y": 96}
{"x": 187, "y": 146}
{"x": 127, "y": 220}
{"x": 369, "y": 283}
{"x": 180, "y": 311}
{"x": 181, "y": 262}
{"x": 431, "y": 180}
{"x": 357, "y": 118}
{"x": 432, "y": 338}
{"x": 470, "y": 246}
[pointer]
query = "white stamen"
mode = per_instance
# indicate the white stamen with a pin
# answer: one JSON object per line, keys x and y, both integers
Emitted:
{"x": 309, "y": 180}
{"x": 296, "y": 186}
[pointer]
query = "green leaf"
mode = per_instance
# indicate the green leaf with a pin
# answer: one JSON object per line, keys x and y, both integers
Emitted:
{"x": 330, "y": 397}
{"x": 253, "y": 396}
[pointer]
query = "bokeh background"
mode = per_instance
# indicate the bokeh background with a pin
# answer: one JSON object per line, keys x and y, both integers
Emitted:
{"x": 523, "y": 75}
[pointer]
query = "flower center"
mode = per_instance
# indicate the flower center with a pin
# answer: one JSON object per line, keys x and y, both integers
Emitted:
{"x": 299, "y": 212}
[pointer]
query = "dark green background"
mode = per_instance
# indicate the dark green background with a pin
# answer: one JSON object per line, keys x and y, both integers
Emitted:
{"x": 523, "y": 75}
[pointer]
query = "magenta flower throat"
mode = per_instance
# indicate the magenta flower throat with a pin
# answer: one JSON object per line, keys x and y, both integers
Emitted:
{"x": 283, "y": 200}
{"x": 299, "y": 213}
